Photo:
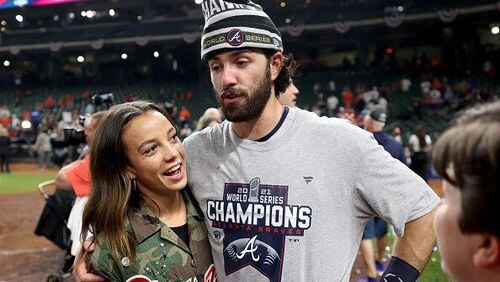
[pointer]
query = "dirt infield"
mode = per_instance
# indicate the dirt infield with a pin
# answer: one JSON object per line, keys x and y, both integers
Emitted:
{"x": 23, "y": 255}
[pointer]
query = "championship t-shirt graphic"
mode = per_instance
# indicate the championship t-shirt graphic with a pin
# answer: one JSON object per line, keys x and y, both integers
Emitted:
{"x": 255, "y": 219}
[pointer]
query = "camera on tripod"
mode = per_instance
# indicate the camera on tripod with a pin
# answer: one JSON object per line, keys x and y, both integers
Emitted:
{"x": 74, "y": 135}
{"x": 105, "y": 100}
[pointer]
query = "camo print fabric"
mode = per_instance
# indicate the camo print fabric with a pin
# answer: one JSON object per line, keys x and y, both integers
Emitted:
{"x": 161, "y": 254}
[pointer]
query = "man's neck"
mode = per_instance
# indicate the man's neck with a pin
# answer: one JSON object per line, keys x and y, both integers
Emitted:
{"x": 262, "y": 125}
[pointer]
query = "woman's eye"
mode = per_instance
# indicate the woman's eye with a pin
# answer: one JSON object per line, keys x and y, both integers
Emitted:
{"x": 149, "y": 151}
{"x": 174, "y": 137}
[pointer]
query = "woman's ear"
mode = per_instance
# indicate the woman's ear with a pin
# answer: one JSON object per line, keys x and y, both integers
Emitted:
{"x": 487, "y": 255}
{"x": 130, "y": 173}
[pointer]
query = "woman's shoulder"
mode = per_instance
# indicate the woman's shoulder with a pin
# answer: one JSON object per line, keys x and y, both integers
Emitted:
{"x": 104, "y": 264}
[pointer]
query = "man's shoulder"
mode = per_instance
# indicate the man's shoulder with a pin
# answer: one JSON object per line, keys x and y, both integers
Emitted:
{"x": 330, "y": 125}
{"x": 209, "y": 135}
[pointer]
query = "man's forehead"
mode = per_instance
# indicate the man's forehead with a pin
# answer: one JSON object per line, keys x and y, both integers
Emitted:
{"x": 230, "y": 53}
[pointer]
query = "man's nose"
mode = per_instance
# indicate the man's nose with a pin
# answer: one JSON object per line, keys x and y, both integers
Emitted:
{"x": 228, "y": 77}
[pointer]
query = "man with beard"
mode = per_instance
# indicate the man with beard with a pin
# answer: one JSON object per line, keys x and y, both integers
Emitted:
{"x": 285, "y": 193}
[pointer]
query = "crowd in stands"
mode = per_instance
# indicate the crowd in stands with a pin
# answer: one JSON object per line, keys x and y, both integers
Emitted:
{"x": 419, "y": 97}
{"x": 415, "y": 94}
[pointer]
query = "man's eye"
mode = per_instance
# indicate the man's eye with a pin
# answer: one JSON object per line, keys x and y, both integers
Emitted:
{"x": 241, "y": 62}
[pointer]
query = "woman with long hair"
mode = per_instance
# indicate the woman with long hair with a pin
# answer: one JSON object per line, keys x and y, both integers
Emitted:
{"x": 420, "y": 148}
{"x": 143, "y": 220}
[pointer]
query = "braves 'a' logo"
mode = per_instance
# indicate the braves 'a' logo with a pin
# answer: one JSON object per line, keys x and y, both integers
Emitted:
{"x": 235, "y": 37}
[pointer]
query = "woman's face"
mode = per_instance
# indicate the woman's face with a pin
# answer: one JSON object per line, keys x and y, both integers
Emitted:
{"x": 155, "y": 154}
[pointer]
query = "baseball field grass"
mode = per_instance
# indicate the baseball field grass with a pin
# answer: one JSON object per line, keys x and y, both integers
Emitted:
{"x": 18, "y": 182}
{"x": 432, "y": 272}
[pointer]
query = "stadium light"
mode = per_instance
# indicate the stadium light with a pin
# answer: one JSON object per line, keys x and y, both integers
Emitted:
{"x": 26, "y": 124}
{"x": 80, "y": 59}
{"x": 124, "y": 56}
{"x": 71, "y": 15}
{"x": 112, "y": 12}
{"x": 198, "y": 2}
{"x": 83, "y": 13}
{"x": 4, "y": 23}
{"x": 6, "y": 63}
{"x": 56, "y": 18}
{"x": 156, "y": 54}
{"x": 19, "y": 18}
{"x": 91, "y": 14}
{"x": 495, "y": 30}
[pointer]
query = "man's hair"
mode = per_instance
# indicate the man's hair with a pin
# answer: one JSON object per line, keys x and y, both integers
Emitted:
{"x": 287, "y": 71}
{"x": 468, "y": 156}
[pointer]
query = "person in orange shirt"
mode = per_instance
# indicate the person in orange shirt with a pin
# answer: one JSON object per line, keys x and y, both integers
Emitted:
{"x": 76, "y": 176}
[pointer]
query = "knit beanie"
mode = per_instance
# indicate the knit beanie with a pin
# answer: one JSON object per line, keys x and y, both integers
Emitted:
{"x": 236, "y": 25}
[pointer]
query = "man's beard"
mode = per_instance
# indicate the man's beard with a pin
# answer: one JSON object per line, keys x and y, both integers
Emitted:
{"x": 252, "y": 105}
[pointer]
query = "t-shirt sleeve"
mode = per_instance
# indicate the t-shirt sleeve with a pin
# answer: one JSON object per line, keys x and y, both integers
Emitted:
{"x": 388, "y": 189}
{"x": 78, "y": 176}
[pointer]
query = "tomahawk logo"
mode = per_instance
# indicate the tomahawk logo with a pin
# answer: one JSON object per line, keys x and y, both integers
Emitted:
{"x": 235, "y": 37}
{"x": 256, "y": 218}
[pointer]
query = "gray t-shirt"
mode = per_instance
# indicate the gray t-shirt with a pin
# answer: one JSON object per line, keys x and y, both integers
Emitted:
{"x": 293, "y": 208}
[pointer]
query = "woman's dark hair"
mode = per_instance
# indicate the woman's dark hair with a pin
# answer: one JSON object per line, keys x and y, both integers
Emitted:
{"x": 421, "y": 132}
{"x": 112, "y": 190}
{"x": 286, "y": 74}
{"x": 468, "y": 156}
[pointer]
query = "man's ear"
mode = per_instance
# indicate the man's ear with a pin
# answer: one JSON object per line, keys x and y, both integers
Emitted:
{"x": 487, "y": 255}
{"x": 275, "y": 64}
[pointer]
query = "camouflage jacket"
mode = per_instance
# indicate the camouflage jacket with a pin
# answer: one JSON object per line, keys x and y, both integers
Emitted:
{"x": 161, "y": 254}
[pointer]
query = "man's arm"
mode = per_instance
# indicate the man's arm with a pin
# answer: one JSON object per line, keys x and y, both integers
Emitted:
{"x": 61, "y": 181}
{"x": 415, "y": 247}
{"x": 81, "y": 270}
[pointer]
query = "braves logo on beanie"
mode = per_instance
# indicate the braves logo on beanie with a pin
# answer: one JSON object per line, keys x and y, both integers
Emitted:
{"x": 237, "y": 24}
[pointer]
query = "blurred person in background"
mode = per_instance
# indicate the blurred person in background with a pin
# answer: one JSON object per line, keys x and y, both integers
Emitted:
{"x": 289, "y": 97}
{"x": 376, "y": 228}
{"x": 4, "y": 150}
{"x": 396, "y": 133}
{"x": 467, "y": 156}
{"x": 76, "y": 177}
{"x": 43, "y": 147}
{"x": 420, "y": 145}
{"x": 211, "y": 117}
{"x": 206, "y": 121}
